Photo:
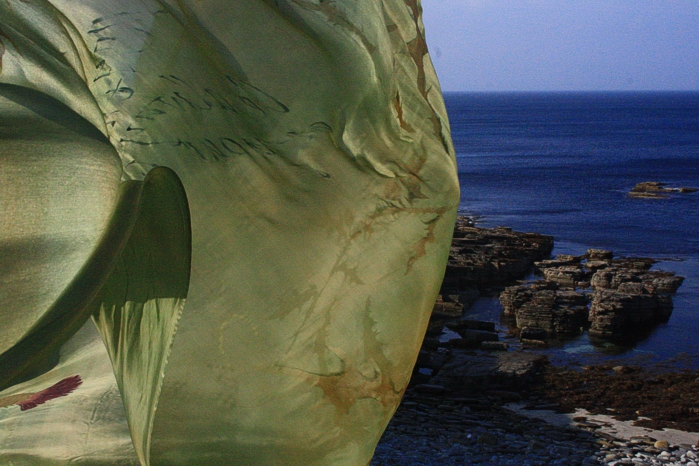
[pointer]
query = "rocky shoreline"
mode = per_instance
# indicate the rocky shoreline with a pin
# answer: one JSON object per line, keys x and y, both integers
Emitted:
{"x": 623, "y": 294}
{"x": 455, "y": 411}
{"x": 657, "y": 190}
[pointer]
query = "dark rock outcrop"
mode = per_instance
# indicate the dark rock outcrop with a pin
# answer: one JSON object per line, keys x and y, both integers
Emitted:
{"x": 465, "y": 324}
{"x": 471, "y": 372}
{"x": 630, "y": 306}
{"x": 447, "y": 308}
{"x": 656, "y": 190}
{"x": 483, "y": 259}
{"x": 488, "y": 257}
{"x": 626, "y": 295}
{"x": 472, "y": 334}
{"x": 567, "y": 276}
{"x": 561, "y": 260}
{"x": 599, "y": 255}
{"x": 657, "y": 281}
{"x": 542, "y": 306}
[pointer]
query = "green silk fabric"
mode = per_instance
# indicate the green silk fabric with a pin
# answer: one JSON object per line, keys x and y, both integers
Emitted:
{"x": 230, "y": 218}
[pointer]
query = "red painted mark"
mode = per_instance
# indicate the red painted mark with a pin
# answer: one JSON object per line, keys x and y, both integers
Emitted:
{"x": 62, "y": 388}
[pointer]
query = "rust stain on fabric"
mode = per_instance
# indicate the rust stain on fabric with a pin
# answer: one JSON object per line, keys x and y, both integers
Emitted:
{"x": 346, "y": 389}
{"x": 418, "y": 49}
{"x": 399, "y": 111}
{"x": 420, "y": 248}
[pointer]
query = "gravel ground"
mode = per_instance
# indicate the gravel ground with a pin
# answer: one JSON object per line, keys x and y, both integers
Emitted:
{"x": 476, "y": 431}
{"x": 463, "y": 431}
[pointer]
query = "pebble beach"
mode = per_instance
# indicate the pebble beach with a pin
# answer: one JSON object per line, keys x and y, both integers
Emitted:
{"x": 433, "y": 432}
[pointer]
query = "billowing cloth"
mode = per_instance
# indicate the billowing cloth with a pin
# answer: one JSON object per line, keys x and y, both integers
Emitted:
{"x": 223, "y": 225}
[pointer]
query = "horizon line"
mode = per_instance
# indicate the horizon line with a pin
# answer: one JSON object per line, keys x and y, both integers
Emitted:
{"x": 579, "y": 91}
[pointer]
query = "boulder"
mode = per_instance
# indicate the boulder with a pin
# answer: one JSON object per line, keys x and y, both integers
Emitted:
{"x": 663, "y": 282}
{"x": 618, "y": 312}
{"x": 465, "y": 295}
{"x": 486, "y": 257}
{"x": 478, "y": 335}
{"x": 569, "y": 258}
{"x": 561, "y": 260}
{"x": 465, "y": 324}
{"x": 539, "y": 285}
{"x": 557, "y": 312}
{"x": 538, "y": 311}
{"x": 527, "y": 343}
{"x": 568, "y": 276}
{"x": 532, "y": 333}
{"x": 656, "y": 280}
{"x": 611, "y": 278}
{"x": 595, "y": 265}
{"x": 650, "y": 187}
{"x": 634, "y": 263}
{"x": 599, "y": 255}
{"x": 514, "y": 297}
{"x": 546, "y": 308}
{"x": 498, "y": 369}
{"x": 494, "y": 345}
{"x": 447, "y": 308}
{"x": 656, "y": 190}
{"x": 649, "y": 190}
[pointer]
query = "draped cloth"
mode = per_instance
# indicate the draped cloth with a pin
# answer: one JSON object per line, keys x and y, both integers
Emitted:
{"x": 223, "y": 225}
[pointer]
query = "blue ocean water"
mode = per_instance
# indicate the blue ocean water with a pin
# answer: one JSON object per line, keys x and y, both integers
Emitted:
{"x": 562, "y": 163}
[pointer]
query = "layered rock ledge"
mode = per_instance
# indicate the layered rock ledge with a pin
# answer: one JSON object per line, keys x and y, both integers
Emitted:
{"x": 612, "y": 297}
{"x": 656, "y": 190}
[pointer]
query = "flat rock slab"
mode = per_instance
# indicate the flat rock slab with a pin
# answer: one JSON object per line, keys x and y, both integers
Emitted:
{"x": 657, "y": 190}
{"x": 484, "y": 257}
{"x": 475, "y": 370}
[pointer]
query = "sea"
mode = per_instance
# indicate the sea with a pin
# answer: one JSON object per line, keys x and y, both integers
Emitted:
{"x": 561, "y": 164}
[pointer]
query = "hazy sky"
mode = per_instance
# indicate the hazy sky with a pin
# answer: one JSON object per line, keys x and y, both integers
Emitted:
{"x": 505, "y": 45}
